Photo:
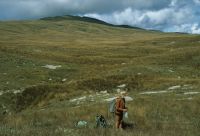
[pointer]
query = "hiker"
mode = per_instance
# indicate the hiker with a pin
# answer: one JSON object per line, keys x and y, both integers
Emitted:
{"x": 120, "y": 109}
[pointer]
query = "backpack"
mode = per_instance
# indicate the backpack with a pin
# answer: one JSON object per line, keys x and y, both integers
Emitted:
{"x": 100, "y": 121}
{"x": 112, "y": 106}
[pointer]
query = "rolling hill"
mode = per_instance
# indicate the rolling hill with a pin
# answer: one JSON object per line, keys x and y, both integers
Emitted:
{"x": 46, "y": 63}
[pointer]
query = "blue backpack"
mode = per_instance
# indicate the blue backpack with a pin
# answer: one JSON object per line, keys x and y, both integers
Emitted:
{"x": 112, "y": 106}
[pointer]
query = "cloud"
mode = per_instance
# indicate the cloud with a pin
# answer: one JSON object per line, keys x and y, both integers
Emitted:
{"x": 189, "y": 28}
{"x": 35, "y": 8}
{"x": 165, "y": 15}
{"x": 178, "y": 16}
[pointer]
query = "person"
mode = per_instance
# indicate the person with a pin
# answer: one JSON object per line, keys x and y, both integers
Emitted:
{"x": 120, "y": 109}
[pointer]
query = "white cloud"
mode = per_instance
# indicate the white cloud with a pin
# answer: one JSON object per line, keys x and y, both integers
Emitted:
{"x": 190, "y": 28}
{"x": 167, "y": 19}
{"x": 197, "y": 1}
{"x": 17, "y": 9}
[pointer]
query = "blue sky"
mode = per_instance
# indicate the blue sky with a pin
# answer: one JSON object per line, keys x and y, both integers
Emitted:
{"x": 165, "y": 15}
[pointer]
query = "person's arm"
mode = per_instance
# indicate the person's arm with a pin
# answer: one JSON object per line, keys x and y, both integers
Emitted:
{"x": 125, "y": 108}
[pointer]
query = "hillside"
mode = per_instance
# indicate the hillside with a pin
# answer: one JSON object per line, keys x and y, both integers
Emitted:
{"x": 48, "y": 62}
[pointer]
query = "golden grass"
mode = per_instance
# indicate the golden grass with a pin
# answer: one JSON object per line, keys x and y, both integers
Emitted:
{"x": 95, "y": 57}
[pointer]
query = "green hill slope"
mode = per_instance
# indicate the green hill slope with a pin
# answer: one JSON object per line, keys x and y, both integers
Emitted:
{"x": 81, "y": 47}
{"x": 52, "y": 60}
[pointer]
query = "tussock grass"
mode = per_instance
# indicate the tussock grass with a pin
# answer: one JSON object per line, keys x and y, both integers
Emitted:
{"x": 152, "y": 115}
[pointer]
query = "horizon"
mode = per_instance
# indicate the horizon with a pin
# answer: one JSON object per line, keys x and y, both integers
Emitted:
{"x": 35, "y": 19}
{"x": 167, "y": 16}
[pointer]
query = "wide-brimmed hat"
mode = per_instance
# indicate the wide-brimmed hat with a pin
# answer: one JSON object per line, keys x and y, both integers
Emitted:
{"x": 123, "y": 92}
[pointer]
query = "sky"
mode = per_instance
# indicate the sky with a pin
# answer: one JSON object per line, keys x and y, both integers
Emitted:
{"x": 164, "y": 15}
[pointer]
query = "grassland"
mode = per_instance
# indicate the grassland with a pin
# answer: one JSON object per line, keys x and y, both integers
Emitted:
{"x": 95, "y": 56}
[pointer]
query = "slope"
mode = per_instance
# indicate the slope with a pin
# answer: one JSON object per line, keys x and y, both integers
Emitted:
{"x": 47, "y": 62}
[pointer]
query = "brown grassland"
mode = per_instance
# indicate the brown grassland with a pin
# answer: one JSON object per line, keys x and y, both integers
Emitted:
{"x": 94, "y": 57}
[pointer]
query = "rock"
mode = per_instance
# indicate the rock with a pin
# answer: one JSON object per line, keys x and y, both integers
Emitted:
{"x": 64, "y": 80}
{"x": 128, "y": 98}
{"x": 174, "y": 87}
{"x": 173, "y": 42}
{"x": 155, "y": 92}
{"x": 190, "y": 93}
{"x": 81, "y": 123}
{"x": 118, "y": 90}
{"x": 104, "y": 92}
{"x": 110, "y": 99}
{"x": 122, "y": 86}
{"x": 17, "y": 91}
{"x": 171, "y": 71}
{"x": 78, "y": 99}
{"x": 52, "y": 66}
